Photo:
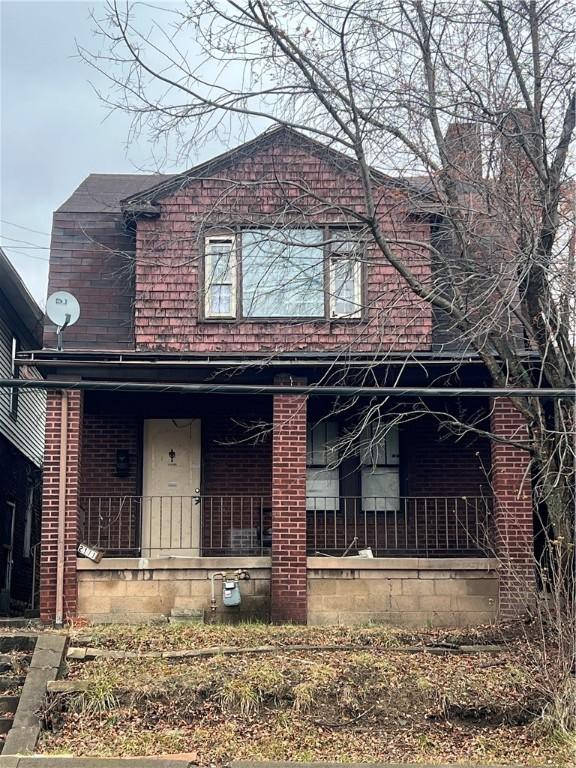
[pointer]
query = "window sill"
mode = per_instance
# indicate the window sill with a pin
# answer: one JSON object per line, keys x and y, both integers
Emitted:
{"x": 284, "y": 320}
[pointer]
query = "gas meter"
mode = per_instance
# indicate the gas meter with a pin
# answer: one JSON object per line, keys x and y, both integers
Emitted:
{"x": 231, "y": 596}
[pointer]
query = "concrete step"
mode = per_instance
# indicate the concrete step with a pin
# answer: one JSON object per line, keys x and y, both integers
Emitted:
{"x": 182, "y": 615}
{"x": 5, "y": 664}
{"x": 5, "y": 724}
{"x": 18, "y": 622}
{"x": 17, "y": 641}
{"x": 8, "y": 704}
{"x": 11, "y": 682}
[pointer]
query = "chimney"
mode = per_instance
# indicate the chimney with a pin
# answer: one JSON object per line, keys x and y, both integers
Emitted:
{"x": 464, "y": 149}
{"x": 515, "y": 130}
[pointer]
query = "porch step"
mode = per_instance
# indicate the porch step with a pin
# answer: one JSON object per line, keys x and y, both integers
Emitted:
{"x": 8, "y": 704}
{"x": 19, "y": 622}
{"x": 5, "y": 724}
{"x": 186, "y": 616}
{"x": 11, "y": 683}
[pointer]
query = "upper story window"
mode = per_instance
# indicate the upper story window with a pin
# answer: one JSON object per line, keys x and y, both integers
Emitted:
{"x": 220, "y": 276}
{"x": 283, "y": 273}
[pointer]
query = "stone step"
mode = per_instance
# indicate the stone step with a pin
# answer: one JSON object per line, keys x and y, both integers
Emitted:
{"x": 8, "y": 704}
{"x": 182, "y": 615}
{"x": 5, "y": 724}
{"x": 17, "y": 641}
{"x": 12, "y": 682}
{"x": 17, "y": 622}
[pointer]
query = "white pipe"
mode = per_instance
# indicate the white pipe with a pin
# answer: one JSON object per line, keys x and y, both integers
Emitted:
{"x": 212, "y": 576}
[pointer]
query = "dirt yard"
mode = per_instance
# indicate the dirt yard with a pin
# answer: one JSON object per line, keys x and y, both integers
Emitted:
{"x": 375, "y": 703}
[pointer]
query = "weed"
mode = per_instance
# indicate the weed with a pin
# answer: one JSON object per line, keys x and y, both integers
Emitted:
{"x": 239, "y": 696}
{"x": 98, "y": 699}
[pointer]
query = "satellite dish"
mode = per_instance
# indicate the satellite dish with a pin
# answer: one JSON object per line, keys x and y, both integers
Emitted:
{"x": 64, "y": 310}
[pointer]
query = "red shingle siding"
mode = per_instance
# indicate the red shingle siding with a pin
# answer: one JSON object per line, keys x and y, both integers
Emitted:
{"x": 50, "y": 501}
{"x": 513, "y": 513}
{"x": 168, "y": 259}
{"x": 288, "y": 581}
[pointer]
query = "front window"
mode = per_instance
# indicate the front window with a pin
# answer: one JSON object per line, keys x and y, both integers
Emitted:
{"x": 322, "y": 474}
{"x": 282, "y": 273}
{"x": 380, "y": 456}
{"x": 288, "y": 273}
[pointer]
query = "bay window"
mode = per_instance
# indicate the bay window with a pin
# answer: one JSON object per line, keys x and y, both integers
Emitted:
{"x": 283, "y": 273}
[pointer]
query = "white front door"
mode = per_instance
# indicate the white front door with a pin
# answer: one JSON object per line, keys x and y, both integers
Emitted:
{"x": 171, "y": 479}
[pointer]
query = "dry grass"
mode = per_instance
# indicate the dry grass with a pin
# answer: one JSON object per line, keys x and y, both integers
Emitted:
{"x": 372, "y": 705}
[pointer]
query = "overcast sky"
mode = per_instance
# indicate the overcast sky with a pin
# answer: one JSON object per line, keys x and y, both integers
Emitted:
{"x": 54, "y": 130}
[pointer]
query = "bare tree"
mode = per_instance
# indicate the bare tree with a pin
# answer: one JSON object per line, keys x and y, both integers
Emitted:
{"x": 471, "y": 108}
{"x": 382, "y": 81}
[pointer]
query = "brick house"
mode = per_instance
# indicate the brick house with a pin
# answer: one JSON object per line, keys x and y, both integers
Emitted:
{"x": 237, "y": 329}
{"x": 21, "y": 447}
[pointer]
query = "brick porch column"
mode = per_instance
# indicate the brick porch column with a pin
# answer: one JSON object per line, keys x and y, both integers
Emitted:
{"x": 289, "y": 577}
{"x": 50, "y": 503}
{"x": 513, "y": 510}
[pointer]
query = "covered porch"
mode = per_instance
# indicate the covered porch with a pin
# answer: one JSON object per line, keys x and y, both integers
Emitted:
{"x": 336, "y": 518}
{"x": 195, "y": 479}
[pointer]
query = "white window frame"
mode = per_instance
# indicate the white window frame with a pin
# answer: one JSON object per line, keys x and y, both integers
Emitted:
{"x": 346, "y": 252}
{"x": 349, "y": 250}
{"x": 220, "y": 239}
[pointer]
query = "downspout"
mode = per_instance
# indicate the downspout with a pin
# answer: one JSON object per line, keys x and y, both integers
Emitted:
{"x": 59, "y": 617}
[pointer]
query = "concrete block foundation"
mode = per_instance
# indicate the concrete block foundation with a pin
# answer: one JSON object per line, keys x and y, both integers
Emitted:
{"x": 396, "y": 591}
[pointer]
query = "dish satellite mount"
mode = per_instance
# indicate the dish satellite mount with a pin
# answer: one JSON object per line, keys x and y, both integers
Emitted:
{"x": 64, "y": 310}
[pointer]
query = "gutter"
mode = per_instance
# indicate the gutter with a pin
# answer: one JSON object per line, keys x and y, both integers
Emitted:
{"x": 283, "y": 389}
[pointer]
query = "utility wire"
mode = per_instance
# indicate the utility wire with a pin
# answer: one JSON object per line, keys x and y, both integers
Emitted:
{"x": 20, "y": 226}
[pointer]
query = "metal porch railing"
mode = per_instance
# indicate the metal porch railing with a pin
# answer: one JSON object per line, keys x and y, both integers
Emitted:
{"x": 161, "y": 526}
{"x": 156, "y": 526}
{"x": 409, "y": 525}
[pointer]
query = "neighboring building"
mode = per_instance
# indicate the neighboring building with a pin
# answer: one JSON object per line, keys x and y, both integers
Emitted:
{"x": 179, "y": 281}
{"x": 21, "y": 446}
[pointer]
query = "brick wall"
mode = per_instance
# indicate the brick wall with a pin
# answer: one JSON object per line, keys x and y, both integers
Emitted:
{"x": 50, "y": 500}
{"x": 513, "y": 513}
{"x": 436, "y": 464}
{"x": 168, "y": 252}
{"x": 288, "y": 582}
{"x": 237, "y": 462}
{"x": 110, "y": 523}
